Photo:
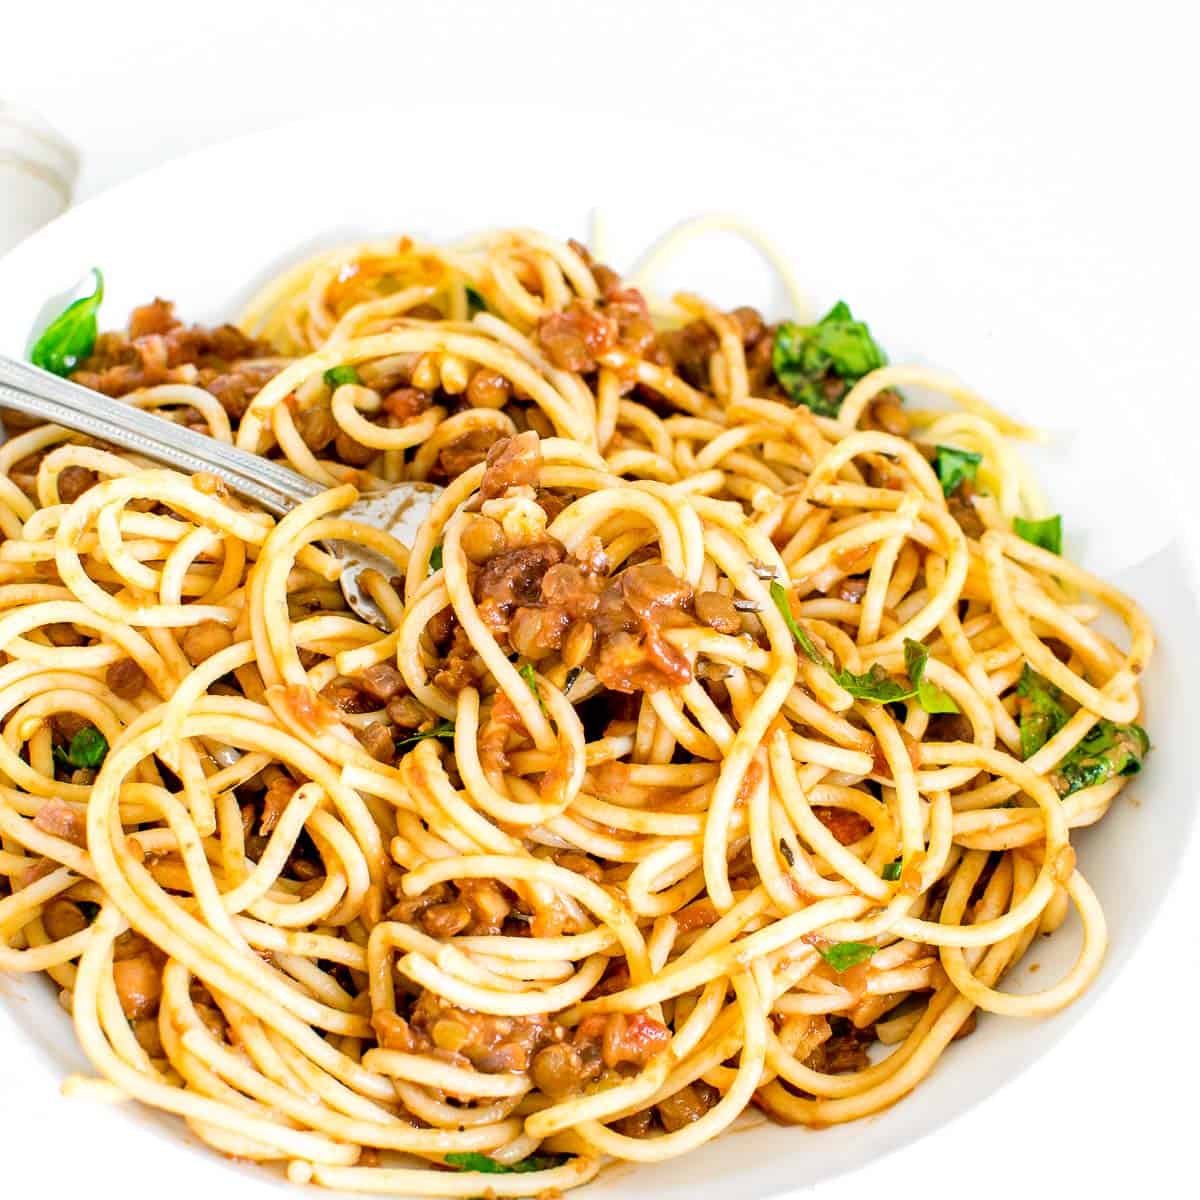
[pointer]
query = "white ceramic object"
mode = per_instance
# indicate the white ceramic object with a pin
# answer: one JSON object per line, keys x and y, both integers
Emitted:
{"x": 38, "y": 169}
{"x": 207, "y": 229}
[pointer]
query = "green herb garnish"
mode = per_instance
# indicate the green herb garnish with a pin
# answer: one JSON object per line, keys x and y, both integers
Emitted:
{"x": 891, "y": 871}
{"x": 336, "y": 376}
{"x": 780, "y": 596}
{"x": 475, "y": 302}
{"x": 486, "y": 1165}
{"x": 817, "y": 364}
{"x": 1104, "y": 752}
{"x": 841, "y": 956}
{"x": 930, "y": 697}
{"x": 87, "y": 749}
{"x": 954, "y": 466}
{"x": 1047, "y": 533}
{"x": 70, "y": 337}
{"x": 435, "y": 559}
{"x": 874, "y": 684}
{"x": 443, "y": 730}
{"x": 1041, "y": 712}
{"x": 530, "y": 676}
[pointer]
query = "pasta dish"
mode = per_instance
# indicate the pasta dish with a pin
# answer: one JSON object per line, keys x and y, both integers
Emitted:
{"x": 723, "y": 750}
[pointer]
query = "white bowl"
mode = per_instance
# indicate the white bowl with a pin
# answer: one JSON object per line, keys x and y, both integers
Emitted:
{"x": 207, "y": 229}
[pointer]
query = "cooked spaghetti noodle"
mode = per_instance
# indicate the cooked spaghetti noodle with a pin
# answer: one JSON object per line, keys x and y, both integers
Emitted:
{"x": 725, "y": 749}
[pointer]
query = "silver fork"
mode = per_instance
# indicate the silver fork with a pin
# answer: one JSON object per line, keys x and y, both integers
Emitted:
{"x": 400, "y": 509}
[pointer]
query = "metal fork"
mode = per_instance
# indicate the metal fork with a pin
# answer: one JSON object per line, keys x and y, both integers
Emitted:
{"x": 400, "y": 510}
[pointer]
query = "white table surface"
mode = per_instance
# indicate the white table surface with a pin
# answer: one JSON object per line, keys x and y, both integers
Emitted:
{"x": 1054, "y": 145}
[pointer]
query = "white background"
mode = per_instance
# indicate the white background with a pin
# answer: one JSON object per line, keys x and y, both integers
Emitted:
{"x": 1053, "y": 147}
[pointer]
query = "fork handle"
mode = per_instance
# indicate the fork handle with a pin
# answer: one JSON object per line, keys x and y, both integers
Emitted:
{"x": 37, "y": 393}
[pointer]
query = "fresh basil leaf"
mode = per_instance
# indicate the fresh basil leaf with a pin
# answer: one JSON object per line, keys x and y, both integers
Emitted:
{"x": 787, "y": 361}
{"x": 336, "y": 376}
{"x": 876, "y": 684}
{"x": 879, "y": 686}
{"x": 916, "y": 655}
{"x": 486, "y": 1165}
{"x": 891, "y": 871}
{"x": 930, "y": 697}
{"x": 817, "y": 364}
{"x": 954, "y": 466}
{"x": 87, "y": 749}
{"x": 1041, "y": 711}
{"x": 70, "y": 337}
{"x": 530, "y": 676}
{"x": 841, "y": 956}
{"x": 435, "y": 559}
{"x": 443, "y": 730}
{"x": 1046, "y": 533}
{"x": 780, "y": 596}
{"x": 475, "y": 302}
{"x": 1104, "y": 752}
{"x": 933, "y": 699}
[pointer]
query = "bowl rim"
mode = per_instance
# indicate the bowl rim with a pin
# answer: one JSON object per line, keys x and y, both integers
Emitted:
{"x": 27, "y": 253}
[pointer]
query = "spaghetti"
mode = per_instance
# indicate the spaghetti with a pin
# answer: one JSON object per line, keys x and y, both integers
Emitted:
{"x": 725, "y": 750}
